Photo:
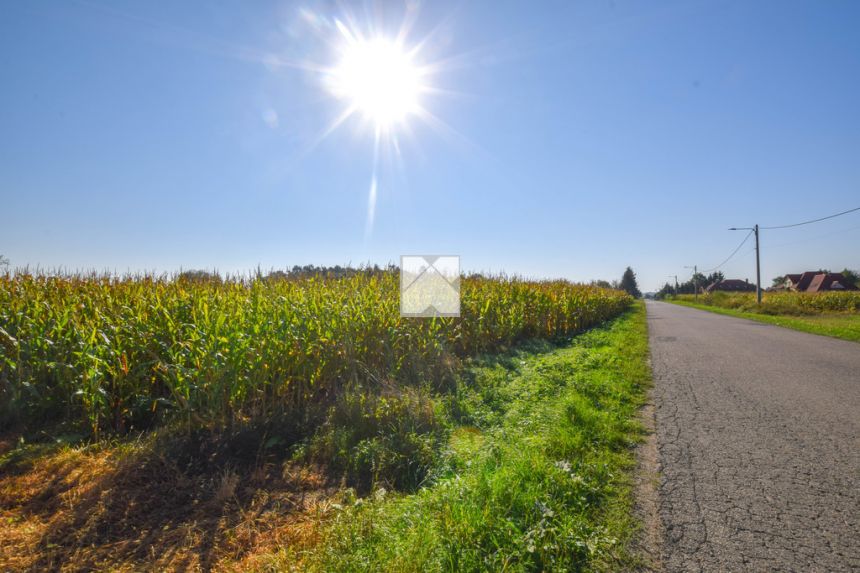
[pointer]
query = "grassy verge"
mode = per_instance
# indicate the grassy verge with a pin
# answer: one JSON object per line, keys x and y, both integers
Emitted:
{"x": 522, "y": 463}
{"x": 837, "y": 325}
{"x": 535, "y": 475}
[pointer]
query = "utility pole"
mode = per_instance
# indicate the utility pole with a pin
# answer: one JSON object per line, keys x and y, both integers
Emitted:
{"x": 757, "y": 259}
{"x": 695, "y": 284}
{"x": 757, "y": 268}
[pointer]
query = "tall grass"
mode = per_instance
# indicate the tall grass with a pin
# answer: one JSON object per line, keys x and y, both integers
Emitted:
{"x": 534, "y": 476}
{"x": 110, "y": 354}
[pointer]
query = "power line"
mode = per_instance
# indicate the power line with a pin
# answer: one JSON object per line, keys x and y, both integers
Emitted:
{"x": 730, "y": 256}
{"x": 814, "y": 220}
{"x": 755, "y": 230}
{"x": 816, "y": 237}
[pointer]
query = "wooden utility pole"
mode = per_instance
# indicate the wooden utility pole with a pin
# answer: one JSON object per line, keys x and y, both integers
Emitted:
{"x": 757, "y": 259}
{"x": 695, "y": 284}
{"x": 757, "y": 268}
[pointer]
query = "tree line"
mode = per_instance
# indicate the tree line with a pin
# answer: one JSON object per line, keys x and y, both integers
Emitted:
{"x": 701, "y": 281}
{"x": 697, "y": 281}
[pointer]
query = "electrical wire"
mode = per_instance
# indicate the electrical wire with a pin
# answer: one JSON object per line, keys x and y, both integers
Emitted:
{"x": 813, "y": 220}
{"x": 730, "y": 256}
{"x": 776, "y": 227}
{"x": 815, "y": 238}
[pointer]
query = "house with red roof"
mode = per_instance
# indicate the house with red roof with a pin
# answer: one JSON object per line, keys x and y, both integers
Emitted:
{"x": 812, "y": 281}
{"x": 731, "y": 285}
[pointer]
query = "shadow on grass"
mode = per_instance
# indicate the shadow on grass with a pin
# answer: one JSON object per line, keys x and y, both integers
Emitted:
{"x": 166, "y": 502}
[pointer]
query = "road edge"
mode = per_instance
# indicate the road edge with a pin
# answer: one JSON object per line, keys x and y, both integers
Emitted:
{"x": 648, "y": 541}
{"x": 779, "y": 321}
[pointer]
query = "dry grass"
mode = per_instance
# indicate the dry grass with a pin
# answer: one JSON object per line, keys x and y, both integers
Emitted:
{"x": 130, "y": 509}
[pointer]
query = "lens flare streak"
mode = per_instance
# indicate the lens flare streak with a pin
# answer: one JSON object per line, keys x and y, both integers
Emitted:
{"x": 371, "y": 197}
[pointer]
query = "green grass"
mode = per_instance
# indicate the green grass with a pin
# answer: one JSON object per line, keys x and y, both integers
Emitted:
{"x": 534, "y": 474}
{"x": 837, "y": 325}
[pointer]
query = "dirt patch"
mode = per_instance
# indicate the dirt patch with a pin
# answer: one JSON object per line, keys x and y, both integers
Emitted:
{"x": 134, "y": 509}
{"x": 7, "y": 443}
{"x": 649, "y": 540}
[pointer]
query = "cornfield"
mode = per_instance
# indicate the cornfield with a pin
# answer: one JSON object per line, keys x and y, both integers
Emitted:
{"x": 110, "y": 354}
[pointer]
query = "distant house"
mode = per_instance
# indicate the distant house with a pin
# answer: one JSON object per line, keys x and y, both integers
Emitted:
{"x": 791, "y": 282}
{"x": 799, "y": 282}
{"x": 731, "y": 285}
{"x": 812, "y": 281}
{"x": 828, "y": 282}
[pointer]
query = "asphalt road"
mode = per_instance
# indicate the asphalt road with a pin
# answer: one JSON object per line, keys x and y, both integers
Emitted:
{"x": 758, "y": 434}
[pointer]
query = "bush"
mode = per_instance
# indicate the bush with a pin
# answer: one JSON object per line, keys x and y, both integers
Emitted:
{"x": 388, "y": 438}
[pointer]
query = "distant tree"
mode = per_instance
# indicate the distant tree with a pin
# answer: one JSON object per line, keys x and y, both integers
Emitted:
{"x": 334, "y": 272}
{"x": 601, "y": 284}
{"x": 199, "y": 276}
{"x": 628, "y": 283}
{"x": 277, "y": 276}
{"x": 714, "y": 277}
{"x": 4, "y": 262}
{"x": 778, "y": 281}
{"x": 667, "y": 290}
{"x": 852, "y": 277}
{"x": 697, "y": 282}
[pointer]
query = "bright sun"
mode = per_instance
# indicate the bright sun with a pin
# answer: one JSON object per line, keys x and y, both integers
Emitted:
{"x": 383, "y": 80}
{"x": 379, "y": 80}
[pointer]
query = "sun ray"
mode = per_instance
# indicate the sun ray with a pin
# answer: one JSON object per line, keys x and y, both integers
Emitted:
{"x": 371, "y": 196}
{"x": 309, "y": 148}
{"x": 408, "y": 21}
{"x": 449, "y": 133}
{"x": 346, "y": 33}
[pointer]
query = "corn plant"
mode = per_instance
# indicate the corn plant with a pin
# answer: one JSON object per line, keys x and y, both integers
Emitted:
{"x": 111, "y": 354}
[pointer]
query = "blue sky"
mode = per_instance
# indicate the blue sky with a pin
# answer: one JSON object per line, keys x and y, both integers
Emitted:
{"x": 578, "y": 138}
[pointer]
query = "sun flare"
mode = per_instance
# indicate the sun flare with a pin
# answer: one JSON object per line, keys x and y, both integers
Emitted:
{"x": 381, "y": 78}
{"x": 378, "y": 79}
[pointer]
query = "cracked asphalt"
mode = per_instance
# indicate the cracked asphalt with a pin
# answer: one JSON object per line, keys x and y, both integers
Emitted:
{"x": 758, "y": 434}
